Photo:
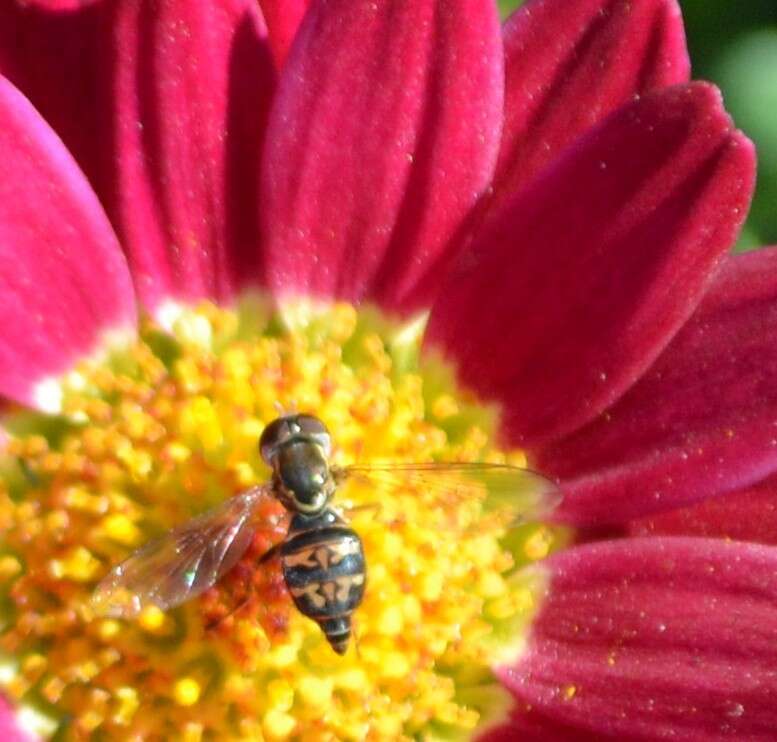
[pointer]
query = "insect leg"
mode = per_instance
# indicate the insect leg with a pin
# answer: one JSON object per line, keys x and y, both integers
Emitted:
{"x": 213, "y": 625}
{"x": 271, "y": 553}
{"x": 351, "y": 510}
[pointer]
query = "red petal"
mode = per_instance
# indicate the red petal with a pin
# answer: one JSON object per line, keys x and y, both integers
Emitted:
{"x": 384, "y": 134}
{"x": 530, "y": 726}
{"x": 55, "y": 59}
{"x": 63, "y": 279}
{"x": 570, "y": 63}
{"x": 283, "y": 18}
{"x": 571, "y": 293}
{"x": 191, "y": 88}
{"x": 656, "y": 638}
{"x": 164, "y": 104}
{"x": 747, "y": 515}
{"x": 702, "y": 422}
{"x": 54, "y": 5}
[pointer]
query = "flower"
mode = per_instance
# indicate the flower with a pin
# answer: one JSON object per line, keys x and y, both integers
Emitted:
{"x": 557, "y": 196}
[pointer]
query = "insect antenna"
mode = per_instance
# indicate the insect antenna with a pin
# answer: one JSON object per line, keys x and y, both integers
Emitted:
{"x": 286, "y": 411}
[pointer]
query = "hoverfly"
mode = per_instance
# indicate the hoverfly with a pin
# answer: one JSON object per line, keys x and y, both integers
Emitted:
{"x": 322, "y": 557}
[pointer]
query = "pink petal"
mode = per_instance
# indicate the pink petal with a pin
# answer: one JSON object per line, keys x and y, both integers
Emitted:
{"x": 702, "y": 422}
{"x": 656, "y": 638}
{"x": 63, "y": 279}
{"x": 571, "y": 293}
{"x": 747, "y": 515}
{"x": 10, "y": 731}
{"x": 570, "y": 63}
{"x": 283, "y": 18}
{"x": 383, "y": 136}
{"x": 190, "y": 93}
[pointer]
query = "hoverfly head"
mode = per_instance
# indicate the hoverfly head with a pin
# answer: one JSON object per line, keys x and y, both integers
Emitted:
{"x": 297, "y": 447}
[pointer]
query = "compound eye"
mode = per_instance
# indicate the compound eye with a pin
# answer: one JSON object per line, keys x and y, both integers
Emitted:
{"x": 272, "y": 436}
{"x": 312, "y": 427}
{"x": 309, "y": 425}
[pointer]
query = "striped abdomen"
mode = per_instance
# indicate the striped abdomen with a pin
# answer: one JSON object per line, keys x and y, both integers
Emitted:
{"x": 323, "y": 565}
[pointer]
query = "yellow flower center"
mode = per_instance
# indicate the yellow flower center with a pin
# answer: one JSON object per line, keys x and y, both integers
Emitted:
{"x": 168, "y": 428}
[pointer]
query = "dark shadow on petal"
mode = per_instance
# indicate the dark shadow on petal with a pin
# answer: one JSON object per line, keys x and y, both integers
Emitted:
{"x": 247, "y": 112}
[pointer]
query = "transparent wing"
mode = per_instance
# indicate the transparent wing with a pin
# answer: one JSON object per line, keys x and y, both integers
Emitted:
{"x": 515, "y": 493}
{"x": 182, "y": 563}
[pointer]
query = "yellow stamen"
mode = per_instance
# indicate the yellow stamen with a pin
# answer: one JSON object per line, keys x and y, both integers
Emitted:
{"x": 169, "y": 427}
{"x": 186, "y": 691}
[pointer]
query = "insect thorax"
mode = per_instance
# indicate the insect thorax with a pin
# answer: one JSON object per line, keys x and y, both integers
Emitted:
{"x": 302, "y": 476}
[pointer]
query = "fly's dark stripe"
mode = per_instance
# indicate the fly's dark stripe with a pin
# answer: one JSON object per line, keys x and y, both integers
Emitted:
{"x": 334, "y": 541}
{"x": 300, "y": 576}
{"x": 324, "y": 616}
{"x": 336, "y": 625}
{"x": 315, "y": 537}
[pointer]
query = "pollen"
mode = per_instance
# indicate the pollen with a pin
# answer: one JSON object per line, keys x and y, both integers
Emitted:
{"x": 568, "y": 692}
{"x": 186, "y": 691}
{"x": 166, "y": 428}
{"x": 121, "y": 529}
{"x": 77, "y": 564}
{"x": 152, "y": 619}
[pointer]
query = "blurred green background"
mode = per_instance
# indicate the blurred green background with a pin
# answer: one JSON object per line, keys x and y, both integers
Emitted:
{"x": 734, "y": 44}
